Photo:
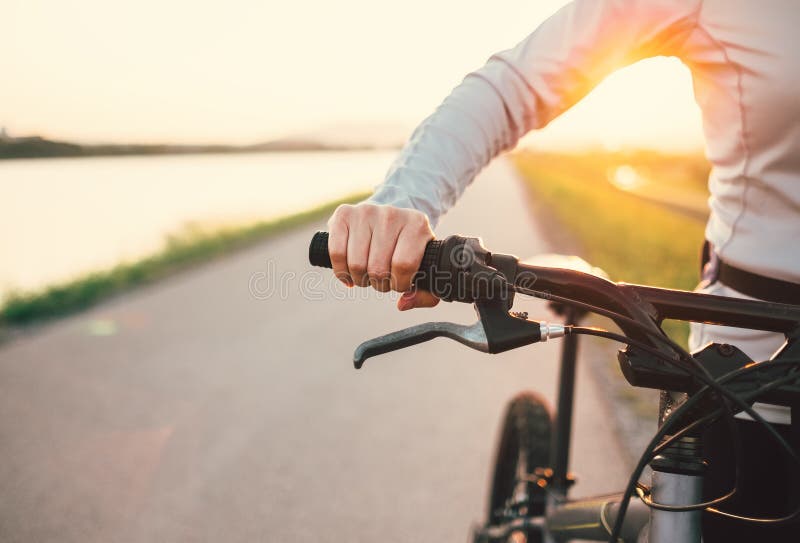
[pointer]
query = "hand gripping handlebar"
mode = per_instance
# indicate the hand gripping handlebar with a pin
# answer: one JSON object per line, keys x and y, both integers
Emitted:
{"x": 454, "y": 269}
{"x": 457, "y": 269}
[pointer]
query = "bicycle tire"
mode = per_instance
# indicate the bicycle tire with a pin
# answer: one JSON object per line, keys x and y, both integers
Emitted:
{"x": 524, "y": 445}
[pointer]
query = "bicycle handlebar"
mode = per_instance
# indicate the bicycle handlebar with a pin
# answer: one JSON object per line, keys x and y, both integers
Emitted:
{"x": 459, "y": 268}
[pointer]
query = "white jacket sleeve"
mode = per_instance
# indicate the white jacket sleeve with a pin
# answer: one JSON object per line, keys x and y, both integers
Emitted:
{"x": 525, "y": 88}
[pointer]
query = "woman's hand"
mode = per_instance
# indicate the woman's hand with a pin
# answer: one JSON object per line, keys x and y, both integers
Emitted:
{"x": 381, "y": 246}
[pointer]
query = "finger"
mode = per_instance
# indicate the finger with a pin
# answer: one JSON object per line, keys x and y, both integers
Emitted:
{"x": 382, "y": 245}
{"x": 337, "y": 248}
{"x": 416, "y": 298}
{"x": 424, "y": 298}
{"x": 408, "y": 254}
{"x": 358, "y": 244}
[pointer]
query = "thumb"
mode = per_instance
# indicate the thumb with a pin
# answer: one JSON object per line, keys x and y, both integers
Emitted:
{"x": 416, "y": 298}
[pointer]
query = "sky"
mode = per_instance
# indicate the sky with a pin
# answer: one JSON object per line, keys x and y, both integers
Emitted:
{"x": 242, "y": 71}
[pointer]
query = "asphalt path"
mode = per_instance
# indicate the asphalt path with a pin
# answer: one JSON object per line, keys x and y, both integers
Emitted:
{"x": 221, "y": 405}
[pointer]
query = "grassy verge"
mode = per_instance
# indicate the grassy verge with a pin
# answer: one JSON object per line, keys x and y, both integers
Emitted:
{"x": 633, "y": 239}
{"x": 180, "y": 251}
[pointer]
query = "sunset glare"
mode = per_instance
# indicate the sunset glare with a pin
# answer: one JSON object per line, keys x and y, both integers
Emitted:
{"x": 244, "y": 70}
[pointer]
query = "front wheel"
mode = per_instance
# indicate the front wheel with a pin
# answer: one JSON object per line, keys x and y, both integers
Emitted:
{"x": 524, "y": 446}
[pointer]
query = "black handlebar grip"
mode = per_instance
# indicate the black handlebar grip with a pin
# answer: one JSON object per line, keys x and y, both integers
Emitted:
{"x": 431, "y": 261}
{"x": 318, "y": 256}
{"x": 318, "y": 251}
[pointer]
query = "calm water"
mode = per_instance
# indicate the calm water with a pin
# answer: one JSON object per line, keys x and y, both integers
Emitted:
{"x": 59, "y": 218}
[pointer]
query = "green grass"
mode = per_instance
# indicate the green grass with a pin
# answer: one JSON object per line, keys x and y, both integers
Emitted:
{"x": 181, "y": 251}
{"x": 634, "y": 240}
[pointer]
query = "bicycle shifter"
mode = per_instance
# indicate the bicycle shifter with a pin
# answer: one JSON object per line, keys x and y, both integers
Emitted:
{"x": 495, "y": 332}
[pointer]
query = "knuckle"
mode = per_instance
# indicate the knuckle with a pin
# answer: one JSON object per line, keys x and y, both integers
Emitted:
{"x": 381, "y": 285}
{"x": 344, "y": 211}
{"x": 340, "y": 216}
{"x": 337, "y": 253}
{"x": 419, "y": 221}
{"x": 358, "y": 268}
{"x": 378, "y": 272}
{"x": 367, "y": 211}
{"x": 390, "y": 213}
{"x": 404, "y": 265}
{"x": 394, "y": 219}
{"x": 416, "y": 216}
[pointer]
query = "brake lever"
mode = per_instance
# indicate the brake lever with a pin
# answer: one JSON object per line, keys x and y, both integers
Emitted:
{"x": 473, "y": 336}
{"x": 495, "y": 332}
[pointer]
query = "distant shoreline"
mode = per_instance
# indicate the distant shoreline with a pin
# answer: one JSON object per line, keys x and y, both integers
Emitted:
{"x": 38, "y": 147}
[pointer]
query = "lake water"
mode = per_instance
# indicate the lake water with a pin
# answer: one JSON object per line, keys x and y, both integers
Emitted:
{"x": 63, "y": 217}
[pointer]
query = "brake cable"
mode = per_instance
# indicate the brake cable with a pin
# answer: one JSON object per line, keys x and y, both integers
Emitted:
{"x": 643, "y": 490}
{"x": 705, "y": 378}
{"x": 649, "y": 452}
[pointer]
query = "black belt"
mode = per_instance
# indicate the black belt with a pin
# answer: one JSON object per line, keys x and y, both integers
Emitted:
{"x": 751, "y": 284}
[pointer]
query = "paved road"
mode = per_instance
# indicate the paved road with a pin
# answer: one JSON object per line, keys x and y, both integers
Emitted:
{"x": 195, "y": 411}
